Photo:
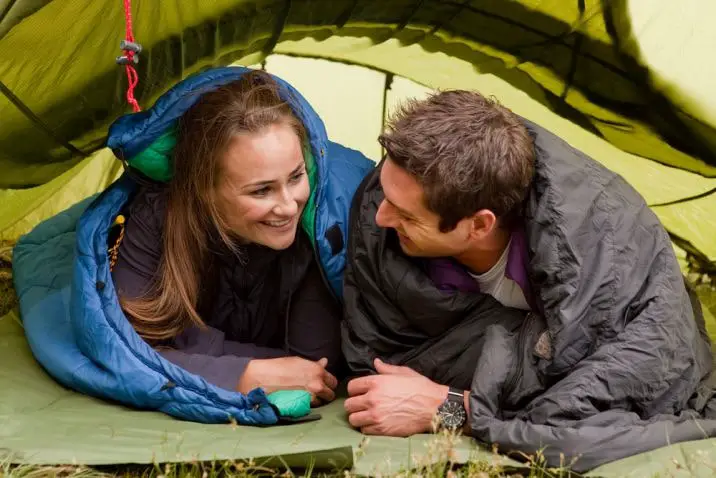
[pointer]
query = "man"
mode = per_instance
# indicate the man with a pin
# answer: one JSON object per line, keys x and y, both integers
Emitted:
{"x": 509, "y": 285}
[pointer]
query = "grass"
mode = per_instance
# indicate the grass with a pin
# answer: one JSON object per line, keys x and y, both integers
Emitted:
{"x": 438, "y": 464}
{"x": 240, "y": 470}
{"x": 8, "y": 300}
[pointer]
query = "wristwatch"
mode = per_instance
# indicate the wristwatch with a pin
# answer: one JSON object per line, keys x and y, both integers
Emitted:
{"x": 451, "y": 412}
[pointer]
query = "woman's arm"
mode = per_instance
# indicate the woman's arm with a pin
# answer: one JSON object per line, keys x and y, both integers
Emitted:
{"x": 221, "y": 362}
{"x": 313, "y": 334}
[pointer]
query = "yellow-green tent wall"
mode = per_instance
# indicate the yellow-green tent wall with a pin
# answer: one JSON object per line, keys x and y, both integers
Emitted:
{"x": 629, "y": 82}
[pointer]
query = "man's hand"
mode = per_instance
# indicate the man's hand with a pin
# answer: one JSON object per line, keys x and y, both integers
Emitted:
{"x": 290, "y": 373}
{"x": 396, "y": 402}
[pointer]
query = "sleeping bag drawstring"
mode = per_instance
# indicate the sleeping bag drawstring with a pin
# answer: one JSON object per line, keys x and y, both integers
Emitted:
{"x": 130, "y": 58}
{"x": 114, "y": 250}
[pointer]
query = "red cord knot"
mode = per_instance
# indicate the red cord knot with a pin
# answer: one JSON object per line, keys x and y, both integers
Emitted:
{"x": 131, "y": 52}
{"x": 130, "y": 58}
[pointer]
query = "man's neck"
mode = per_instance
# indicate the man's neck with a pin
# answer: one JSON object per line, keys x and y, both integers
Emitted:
{"x": 483, "y": 257}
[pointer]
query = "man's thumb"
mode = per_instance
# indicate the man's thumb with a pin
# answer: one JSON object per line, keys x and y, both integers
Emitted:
{"x": 386, "y": 368}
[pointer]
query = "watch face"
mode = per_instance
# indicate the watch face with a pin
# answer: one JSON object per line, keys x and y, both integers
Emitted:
{"x": 452, "y": 414}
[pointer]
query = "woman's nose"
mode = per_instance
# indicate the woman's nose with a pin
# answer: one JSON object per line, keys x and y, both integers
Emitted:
{"x": 287, "y": 205}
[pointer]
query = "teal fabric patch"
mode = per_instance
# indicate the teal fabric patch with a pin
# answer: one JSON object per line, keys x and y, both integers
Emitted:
{"x": 155, "y": 161}
{"x": 291, "y": 403}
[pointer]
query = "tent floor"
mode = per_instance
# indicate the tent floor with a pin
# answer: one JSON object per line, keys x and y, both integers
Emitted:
{"x": 42, "y": 422}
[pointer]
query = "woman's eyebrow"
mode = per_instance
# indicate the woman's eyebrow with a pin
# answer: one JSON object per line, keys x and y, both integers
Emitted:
{"x": 267, "y": 182}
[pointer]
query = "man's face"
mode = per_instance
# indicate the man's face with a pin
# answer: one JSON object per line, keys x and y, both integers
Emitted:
{"x": 404, "y": 210}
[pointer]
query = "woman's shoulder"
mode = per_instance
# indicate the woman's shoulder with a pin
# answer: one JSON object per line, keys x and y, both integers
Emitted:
{"x": 145, "y": 216}
{"x": 148, "y": 207}
{"x": 141, "y": 244}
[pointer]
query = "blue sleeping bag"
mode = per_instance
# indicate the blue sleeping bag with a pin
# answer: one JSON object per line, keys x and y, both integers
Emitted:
{"x": 68, "y": 304}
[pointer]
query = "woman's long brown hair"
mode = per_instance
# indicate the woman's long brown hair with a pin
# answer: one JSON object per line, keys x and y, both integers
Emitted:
{"x": 193, "y": 220}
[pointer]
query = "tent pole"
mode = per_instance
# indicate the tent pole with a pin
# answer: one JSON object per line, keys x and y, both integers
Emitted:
{"x": 37, "y": 121}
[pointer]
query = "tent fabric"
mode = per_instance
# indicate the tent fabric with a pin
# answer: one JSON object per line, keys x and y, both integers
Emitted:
{"x": 69, "y": 305}
{"x": 617, "y": 79}
{"x": 624, "y": 70}
{"x": 330, "y": 87}
{"x": 584, "y": 57}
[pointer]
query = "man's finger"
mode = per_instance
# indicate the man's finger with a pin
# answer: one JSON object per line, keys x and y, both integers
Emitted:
{"x": 377, "y": 430}
{"x": 384, "y": 368}
{"x": 323, "y": 362}
{"x": 361, "y": 419}
{"x": 361, "y": 385}
{"x": 356, "y": 404}
{"x": 389, "y": 369}
{"x": 371, "y": 429}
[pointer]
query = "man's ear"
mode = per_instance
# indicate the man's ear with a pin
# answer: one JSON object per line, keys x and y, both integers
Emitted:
{"x": 484, "y": 222}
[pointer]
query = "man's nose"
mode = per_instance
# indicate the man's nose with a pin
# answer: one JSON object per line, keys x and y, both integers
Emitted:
{"x": 383, "y": 217}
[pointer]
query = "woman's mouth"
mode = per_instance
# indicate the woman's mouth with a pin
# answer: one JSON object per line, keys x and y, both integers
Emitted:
{"x": 280, "y": 225}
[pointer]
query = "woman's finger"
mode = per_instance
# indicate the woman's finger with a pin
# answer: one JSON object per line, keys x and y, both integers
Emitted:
{"x": 330, "y": 380}
{"x": 326, "y": 394}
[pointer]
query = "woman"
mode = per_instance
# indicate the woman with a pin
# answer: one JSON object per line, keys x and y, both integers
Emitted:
{"x": 216, "y": 268}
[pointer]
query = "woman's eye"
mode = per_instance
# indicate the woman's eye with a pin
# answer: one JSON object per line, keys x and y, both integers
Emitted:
{"x": 297, "y": 177}
{"x": 260, "y": 192}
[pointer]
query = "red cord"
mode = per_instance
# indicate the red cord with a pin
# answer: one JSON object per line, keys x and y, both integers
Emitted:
{"x": 132, "y": 77}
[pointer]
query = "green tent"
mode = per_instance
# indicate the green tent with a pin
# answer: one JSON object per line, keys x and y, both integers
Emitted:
{"x": 627, "y": 81}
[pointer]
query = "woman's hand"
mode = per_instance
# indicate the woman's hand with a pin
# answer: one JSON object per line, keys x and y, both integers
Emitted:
{"x": 290, "y": 373}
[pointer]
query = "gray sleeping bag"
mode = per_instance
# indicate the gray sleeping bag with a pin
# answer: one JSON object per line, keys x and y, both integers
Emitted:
{"x": 615, "y": 359}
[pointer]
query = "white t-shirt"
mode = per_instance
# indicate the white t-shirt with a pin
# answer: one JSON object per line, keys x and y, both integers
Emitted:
{"x": 498, "y": 285}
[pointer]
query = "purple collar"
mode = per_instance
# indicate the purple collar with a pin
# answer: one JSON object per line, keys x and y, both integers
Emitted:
{"x": 450, "y": 275}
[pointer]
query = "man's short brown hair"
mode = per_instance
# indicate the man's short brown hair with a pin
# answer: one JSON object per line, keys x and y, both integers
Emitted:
{"x": 467, "y": 151}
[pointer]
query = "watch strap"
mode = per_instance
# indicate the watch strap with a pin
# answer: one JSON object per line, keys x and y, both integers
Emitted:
{"x": 456, "y": 395}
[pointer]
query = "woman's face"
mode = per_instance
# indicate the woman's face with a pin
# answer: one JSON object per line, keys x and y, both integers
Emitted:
{"x": 263, "y": 186}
